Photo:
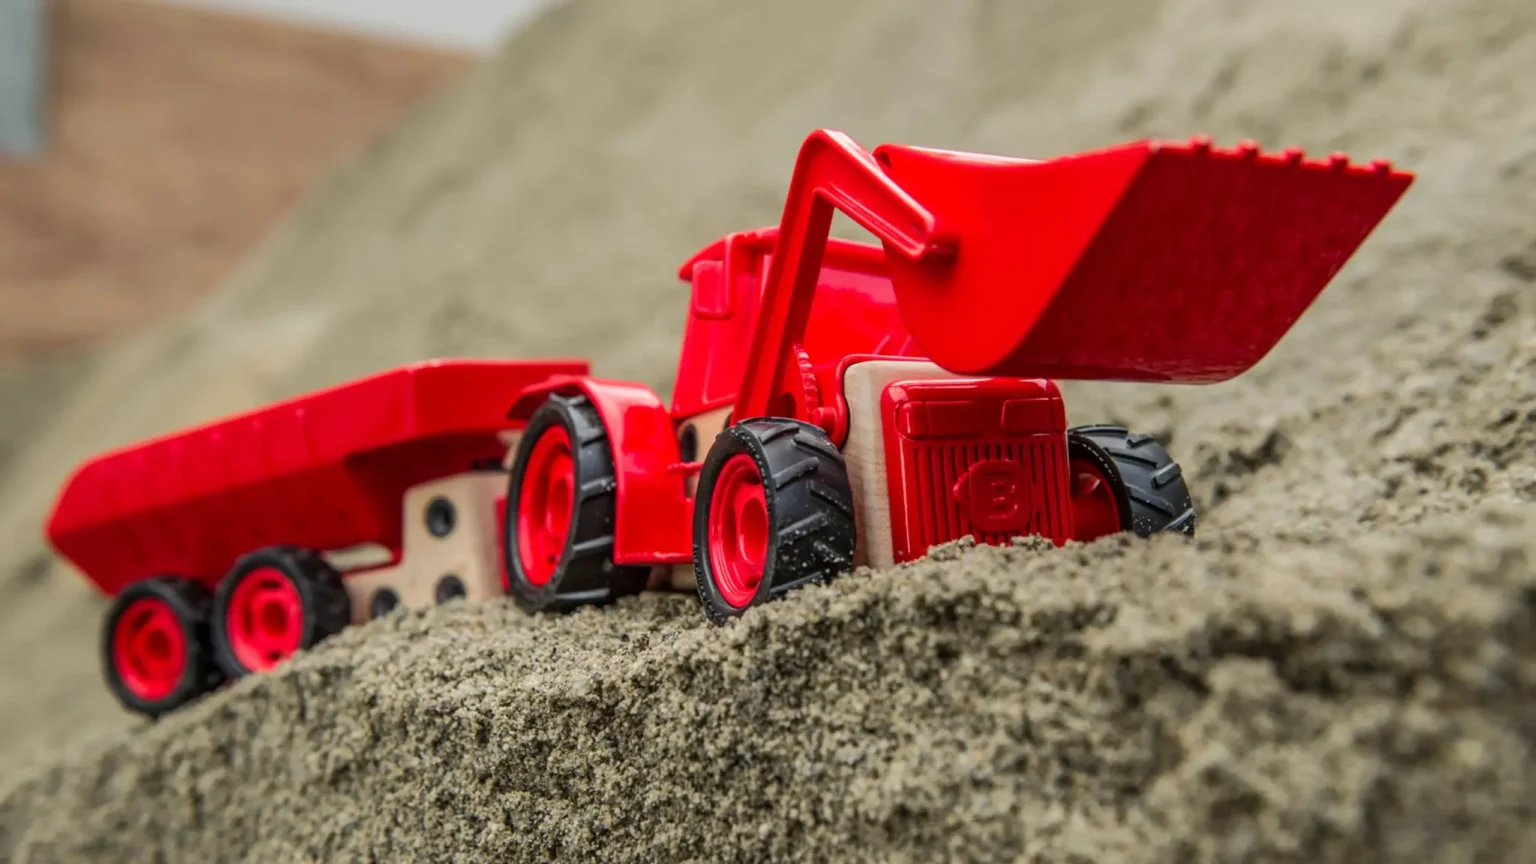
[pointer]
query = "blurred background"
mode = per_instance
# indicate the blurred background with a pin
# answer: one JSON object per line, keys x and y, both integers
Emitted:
{"x": 145, "y": 146}
{"x": 469, "y": 25}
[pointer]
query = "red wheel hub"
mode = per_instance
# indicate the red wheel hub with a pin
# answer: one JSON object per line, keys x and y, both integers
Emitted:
{"x": 738, "y": 531}
{"x": 1095, "y": 509}
{"x": 265, "y": 620}
{"x": 545, "y": 505}
{"x": 149, "y": 649}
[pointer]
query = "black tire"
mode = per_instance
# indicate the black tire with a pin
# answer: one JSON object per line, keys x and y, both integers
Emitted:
{"x": 325, "y": 608}
{"x": 1148, "y": 484}
{"x": 190, "y": 602}
{"x": 585, "y": 574}
{"x": 811, "y": 527}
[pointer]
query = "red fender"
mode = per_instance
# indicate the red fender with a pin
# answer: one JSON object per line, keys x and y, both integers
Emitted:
{"x": 653, "y": 512}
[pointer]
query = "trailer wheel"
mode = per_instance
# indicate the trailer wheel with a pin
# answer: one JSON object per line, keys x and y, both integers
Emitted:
{"x": 562, "y": 495}
{"x": 755, "y": 541}
{"x": 155, "y": 646}
{"x": 274, "y": 603}
{"x": 1125, "y": 482}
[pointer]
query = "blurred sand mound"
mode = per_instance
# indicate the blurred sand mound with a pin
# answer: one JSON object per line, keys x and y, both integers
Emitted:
{"x": 176, "y": 138}
{"x": 1340, "y": 669}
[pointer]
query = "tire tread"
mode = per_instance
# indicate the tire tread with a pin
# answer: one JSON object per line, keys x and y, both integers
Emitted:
{"x": 1153, "y": 484}
{"x": 812, "y": 507}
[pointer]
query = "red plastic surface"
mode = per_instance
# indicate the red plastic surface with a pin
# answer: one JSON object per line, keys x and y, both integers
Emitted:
{"x": 853, "y": 311}
{"x": 981, "y": 457}
{"x": 1151, "y": 261}
{"x": 323, "y": 471}
{"x": 1095, "y": 510}
{"x": 831, "y": 173}
{"x": 265, "y": 620}
{"x": 149, "y": 650}
{"x": 653, "y": 509}
{"x": 546, "y": 504}
{"x": 738, "y": 531}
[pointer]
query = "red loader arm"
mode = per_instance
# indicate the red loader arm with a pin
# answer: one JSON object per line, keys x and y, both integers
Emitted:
{"x": 831, "y": 171}
{"x": 1151, "y": 261}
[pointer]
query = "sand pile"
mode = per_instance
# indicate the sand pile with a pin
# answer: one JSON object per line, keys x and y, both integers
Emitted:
{"x": 1341, "y": 668}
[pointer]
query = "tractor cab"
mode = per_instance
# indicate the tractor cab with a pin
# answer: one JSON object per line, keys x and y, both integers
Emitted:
{"x": 853, "y": 313}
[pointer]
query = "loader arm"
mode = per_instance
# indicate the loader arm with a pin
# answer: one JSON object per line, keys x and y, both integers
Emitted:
{"x": 832, "y": 172}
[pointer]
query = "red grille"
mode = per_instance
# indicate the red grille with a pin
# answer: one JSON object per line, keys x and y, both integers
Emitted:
{"x": 985, "y": 458}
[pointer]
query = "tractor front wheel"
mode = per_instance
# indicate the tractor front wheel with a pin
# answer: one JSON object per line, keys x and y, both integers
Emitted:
{"x": 1125, "y": 482}
{"x": 561, "y": 501}
{"x": 773, "y": 511}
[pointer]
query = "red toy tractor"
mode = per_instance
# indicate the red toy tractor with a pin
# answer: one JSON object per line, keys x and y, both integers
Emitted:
{"x": 836, "y": 404}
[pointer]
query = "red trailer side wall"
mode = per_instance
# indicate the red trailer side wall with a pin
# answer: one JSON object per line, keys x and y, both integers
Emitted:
{"x": 323, "y": 471}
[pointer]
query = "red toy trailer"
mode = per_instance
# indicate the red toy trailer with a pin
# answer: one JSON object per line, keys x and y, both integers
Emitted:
{"x": 223, "y": 545}
{"x": 836, "y": 404}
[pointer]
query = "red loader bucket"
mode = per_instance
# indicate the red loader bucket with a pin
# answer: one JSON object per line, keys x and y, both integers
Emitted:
{"x": 1152, "y": 261}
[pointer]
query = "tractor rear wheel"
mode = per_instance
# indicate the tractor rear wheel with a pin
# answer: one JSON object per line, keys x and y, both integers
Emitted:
{"x": 561, "y": 505}
{"x": 1125, "y": 482}
{"x": 155, "y": 646}
{"x": 274, "y": 603}
{"x": 773, "y": 511}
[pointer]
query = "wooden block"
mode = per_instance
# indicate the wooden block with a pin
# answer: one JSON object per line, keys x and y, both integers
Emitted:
{"x": 863, "y": 385}
{"x": 469, "y": 551}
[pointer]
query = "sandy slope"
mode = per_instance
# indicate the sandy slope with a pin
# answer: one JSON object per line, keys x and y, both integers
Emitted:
{"x": 1341, "y": 669}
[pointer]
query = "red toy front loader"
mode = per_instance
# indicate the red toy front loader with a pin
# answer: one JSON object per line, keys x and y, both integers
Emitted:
{"x": 836, "y": 404}
{"x": 862, "y": 404}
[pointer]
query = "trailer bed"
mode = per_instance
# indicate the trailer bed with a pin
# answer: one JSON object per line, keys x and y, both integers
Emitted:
{"x": 324, "y": 471}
